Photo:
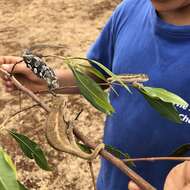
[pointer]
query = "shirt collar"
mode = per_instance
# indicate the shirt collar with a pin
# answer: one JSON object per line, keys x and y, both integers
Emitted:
{"x": 166, "y": 29}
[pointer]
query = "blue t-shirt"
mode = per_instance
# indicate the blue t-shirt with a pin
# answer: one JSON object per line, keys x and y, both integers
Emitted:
{"x": 136, "y": 40}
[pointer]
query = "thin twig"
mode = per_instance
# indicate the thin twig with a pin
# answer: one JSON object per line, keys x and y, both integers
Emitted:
{"x": 157, "y": 159}
{"x": 26, "y": 90}
{"x": 11, "y": 73}
{"x": 42, "y": 46}
{"x": 24, "y": 109}
{"x": 75, "y": 86}
{"x": 78, "y": 115}
{"x": 92, "y": 175}
{"x": 20, "y": 101}
{"x": 115, "y": 161}
{"x": 64, "y": 88}
{"x": 13, "y": 115}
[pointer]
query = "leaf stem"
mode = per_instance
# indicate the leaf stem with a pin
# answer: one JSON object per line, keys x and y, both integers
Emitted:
{"x": 92, "y": 175}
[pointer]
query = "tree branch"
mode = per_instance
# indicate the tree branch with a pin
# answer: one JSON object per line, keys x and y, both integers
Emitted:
{"x": 92, "y": 175}
{"x": 105, "y": 154}
{"x": 157, "y": 159}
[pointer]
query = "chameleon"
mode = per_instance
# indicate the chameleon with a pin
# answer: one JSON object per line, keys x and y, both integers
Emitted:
{"x": 59, "y": 134}
{"x": 129, "y": 78}
{"x": 38, "y": 66}
{"x": 40, "y": 69}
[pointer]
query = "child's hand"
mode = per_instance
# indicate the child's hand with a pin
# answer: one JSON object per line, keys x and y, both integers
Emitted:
{"x": 177, "y": 179}
{"x": 22, "y": 73}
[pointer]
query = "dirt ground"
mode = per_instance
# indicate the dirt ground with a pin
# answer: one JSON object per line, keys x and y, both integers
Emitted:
{"x": 74, "y": 24}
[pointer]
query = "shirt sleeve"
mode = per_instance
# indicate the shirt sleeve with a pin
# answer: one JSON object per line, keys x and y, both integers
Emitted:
{"x": 102, "y": 50}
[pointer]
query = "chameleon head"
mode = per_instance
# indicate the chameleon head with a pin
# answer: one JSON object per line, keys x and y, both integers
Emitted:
{"x": 27, "y": 58}
{"x": 32, "y": 60}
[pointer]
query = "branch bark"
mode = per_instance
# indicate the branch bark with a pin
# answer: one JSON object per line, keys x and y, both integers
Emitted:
{"x": 157, "y": 159}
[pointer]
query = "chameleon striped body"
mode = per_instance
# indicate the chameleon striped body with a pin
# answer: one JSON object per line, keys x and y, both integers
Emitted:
{"x": 130, "y": 78}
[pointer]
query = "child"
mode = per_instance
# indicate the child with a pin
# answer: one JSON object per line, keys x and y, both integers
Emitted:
{"x": 151, "y": 37}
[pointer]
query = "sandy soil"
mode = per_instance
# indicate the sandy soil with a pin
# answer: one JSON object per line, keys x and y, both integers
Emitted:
{"x": 74, "y": 24}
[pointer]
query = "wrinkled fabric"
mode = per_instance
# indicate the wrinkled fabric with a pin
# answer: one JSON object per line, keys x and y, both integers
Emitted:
{"x": 136, "y": 40}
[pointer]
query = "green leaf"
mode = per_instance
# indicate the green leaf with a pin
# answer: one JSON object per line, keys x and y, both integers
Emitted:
{"x": 97, "y": 73}
{"x": 181, "y": 151}
{"x": 92, "y": 70}
{"x": 92, "y": 92}
{"x": 21, "y": 186}
{"x": 163, "y": 101}
{"x": 164, "y": 95}
{"x": 84, "y": 148}
{"x": 31, "y": 150}
{"x": 8, "y": 178}
{"x": 119, "y": 154}
{"x": 165, "y": 109}
{"x": 115, "y": 78}
{"x": 105, "y": 69}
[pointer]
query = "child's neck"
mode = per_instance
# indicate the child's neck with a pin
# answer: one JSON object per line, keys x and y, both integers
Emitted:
{"x": 177, "y": 17}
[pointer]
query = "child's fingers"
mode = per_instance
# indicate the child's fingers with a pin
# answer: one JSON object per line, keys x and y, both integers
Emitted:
{"x": 5, "y": 78}
{"x": 20, "y": 68}
{"x": 9, "y": 86}
{"x": 9, "y": 59}
{"x": 8, "y": 68}
{"x": 9, "y": 89}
